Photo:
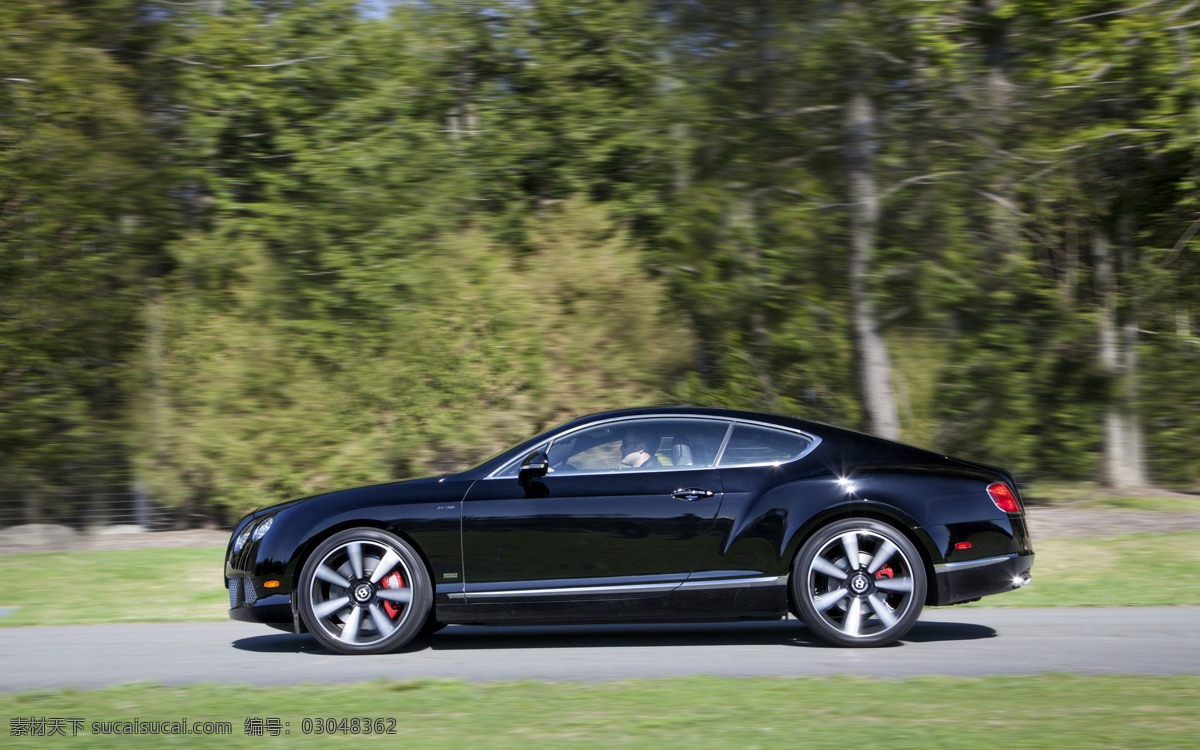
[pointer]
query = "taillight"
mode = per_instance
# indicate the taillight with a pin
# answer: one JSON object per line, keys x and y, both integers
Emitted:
{"x": 1003, "y": 497}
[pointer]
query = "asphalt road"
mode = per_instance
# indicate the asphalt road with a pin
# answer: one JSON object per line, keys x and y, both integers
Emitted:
{"x": 963, "y": 642}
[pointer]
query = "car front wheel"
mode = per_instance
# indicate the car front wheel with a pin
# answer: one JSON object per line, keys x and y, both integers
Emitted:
{"x": 364, "y": 591}
{"x": 859, "y": 582}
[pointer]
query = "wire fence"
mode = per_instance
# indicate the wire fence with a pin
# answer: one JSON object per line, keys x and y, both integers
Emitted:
{"x": 111, "y": 500}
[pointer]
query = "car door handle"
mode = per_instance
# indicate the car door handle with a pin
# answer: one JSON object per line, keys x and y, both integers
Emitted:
{"x": 691, "y": 493}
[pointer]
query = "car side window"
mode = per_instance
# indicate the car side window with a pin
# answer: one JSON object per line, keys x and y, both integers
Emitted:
{"x": 604, "y": 456}
{"x": 753, "y": 444}
{"x": 639, "y": 445}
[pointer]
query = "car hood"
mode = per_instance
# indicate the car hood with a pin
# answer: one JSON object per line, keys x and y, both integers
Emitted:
{"x": 397, "y": 491}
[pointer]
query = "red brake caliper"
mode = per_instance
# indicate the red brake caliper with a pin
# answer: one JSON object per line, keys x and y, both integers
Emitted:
{"x": 884, "y": 572}
{"x": 394, "y": 581}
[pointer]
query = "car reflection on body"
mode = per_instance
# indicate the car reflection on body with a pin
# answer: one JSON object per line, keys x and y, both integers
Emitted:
{"x": 738, "y": 516}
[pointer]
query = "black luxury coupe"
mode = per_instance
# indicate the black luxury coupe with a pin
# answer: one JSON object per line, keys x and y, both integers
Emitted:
{"x": 637, "y": 516}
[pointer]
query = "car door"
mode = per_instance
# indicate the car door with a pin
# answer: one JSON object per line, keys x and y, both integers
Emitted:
{"x": 594, "y": 527}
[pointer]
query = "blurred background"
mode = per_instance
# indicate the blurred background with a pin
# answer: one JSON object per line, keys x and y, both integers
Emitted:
{"x": 255, "y": 248}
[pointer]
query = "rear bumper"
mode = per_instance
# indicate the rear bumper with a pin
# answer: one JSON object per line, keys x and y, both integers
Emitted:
{"x": 959, "y": 582}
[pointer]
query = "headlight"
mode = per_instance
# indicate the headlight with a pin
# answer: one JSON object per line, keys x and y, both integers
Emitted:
{"x": 263, "y": 527}
{"x": 242, "y": 539}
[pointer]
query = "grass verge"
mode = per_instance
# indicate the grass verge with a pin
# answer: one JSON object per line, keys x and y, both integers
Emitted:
{"x": 1169, "y": 504}
{"x": 74, "y": 588}
{"x": 1089, "y": 495}
{"x": 166, "y": 585}
{"x": 1119, "y": 571}
{"x": 1041, "y": 711}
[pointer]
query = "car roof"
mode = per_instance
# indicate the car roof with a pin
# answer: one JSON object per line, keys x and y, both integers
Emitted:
{"x": 700, "y": 411}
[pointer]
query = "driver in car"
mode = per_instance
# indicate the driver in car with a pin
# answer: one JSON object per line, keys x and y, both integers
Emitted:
{"x": 637, "y": 452}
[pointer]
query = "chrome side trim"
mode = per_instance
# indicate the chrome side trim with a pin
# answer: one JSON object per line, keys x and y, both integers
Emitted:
{"x": 735, "y": 583}
{"x": 634, "y": 588}
{"x": 725, "y": 442}
{"x": 968, "y": 564}
{"x": 619, "y": 471}
{"x": 566, "y": 591}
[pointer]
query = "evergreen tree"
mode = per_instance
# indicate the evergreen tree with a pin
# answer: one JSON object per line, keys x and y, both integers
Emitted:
{"x": 81, "y": 212}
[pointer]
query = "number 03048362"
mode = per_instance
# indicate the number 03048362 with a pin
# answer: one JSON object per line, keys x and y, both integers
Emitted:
{"x": 354, "y": 725}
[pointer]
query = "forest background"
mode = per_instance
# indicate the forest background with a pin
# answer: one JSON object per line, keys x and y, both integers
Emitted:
{"x": 254, "y": 248}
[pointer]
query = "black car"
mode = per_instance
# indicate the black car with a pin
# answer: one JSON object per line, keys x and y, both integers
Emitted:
{"x": 638, "y": 516}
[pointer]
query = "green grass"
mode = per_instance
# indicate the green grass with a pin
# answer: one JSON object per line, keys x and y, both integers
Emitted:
{"x": 69, "y": 588}
{"x": 1089, "y": 495}
{"x": 1127, "y": 570}
{"x": 932, "y": 712}
{"x": 1169, "y": 504}
{"x": 186, "y": 584}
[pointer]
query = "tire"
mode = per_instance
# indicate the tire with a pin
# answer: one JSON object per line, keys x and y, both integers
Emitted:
{"x": 872, "y": 602}
{"x": 351, "y": 601}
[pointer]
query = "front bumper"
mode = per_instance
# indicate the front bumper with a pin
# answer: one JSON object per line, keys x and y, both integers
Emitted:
{"x": 959, "y": 582}
{"x": 249, "y": 601}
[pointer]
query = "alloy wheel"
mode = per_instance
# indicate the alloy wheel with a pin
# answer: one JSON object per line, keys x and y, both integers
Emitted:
{"x": 364, "y": 591}
{"x": 859, "y": 583}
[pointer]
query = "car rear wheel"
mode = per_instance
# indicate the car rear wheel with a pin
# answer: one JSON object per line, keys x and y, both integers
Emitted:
{"x": 364, "y": 591}
{"x": 859, "y": 582}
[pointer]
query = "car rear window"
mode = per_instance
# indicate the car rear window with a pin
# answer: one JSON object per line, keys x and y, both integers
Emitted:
{"x": 752, "y": 444}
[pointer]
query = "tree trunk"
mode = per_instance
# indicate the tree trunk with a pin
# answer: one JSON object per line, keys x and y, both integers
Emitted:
{"x": 998, "y": 96}
{"x": 874, "y": 368}
{"x": 32, "y": 506}
{"x": 681, "y": 174}
{"x": 1123, "y": 463}
{"x": 744, "y": 223}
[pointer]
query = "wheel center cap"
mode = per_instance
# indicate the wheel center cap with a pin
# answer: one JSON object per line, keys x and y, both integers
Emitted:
{"x": 363, "y": 592}
{"x": 859, "y": 583}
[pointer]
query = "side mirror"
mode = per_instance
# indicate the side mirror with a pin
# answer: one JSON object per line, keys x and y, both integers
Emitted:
{"x": 536, "y": 464}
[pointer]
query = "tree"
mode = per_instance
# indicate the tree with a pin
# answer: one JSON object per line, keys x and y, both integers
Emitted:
{"x": 81, "y": 214}
{"x": 1114, "y": 90}
{"x": 369, "y": 288}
